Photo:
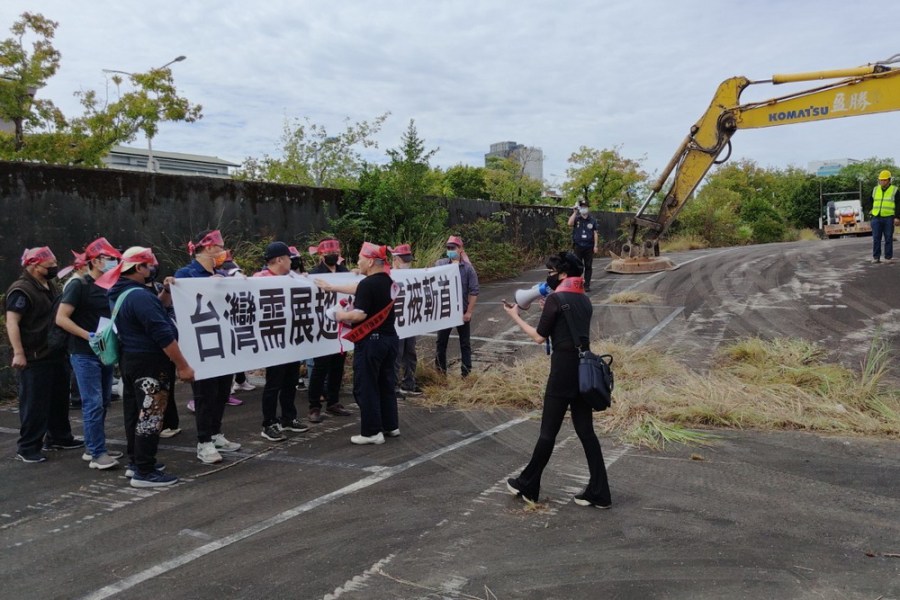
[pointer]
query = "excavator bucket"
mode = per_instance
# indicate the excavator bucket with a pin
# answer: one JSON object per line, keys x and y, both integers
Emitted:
{"x": 639, "y": 265}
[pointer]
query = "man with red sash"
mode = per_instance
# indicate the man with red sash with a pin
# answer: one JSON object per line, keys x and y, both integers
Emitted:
{"x": 375, "y": 340}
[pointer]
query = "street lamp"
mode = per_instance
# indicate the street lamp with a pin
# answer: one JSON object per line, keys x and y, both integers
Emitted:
{"x": 152, "y": 164}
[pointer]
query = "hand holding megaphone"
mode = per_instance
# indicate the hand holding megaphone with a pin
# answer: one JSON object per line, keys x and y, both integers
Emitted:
{"x": 342, "y": 304}
{"x": 524, "y": 298}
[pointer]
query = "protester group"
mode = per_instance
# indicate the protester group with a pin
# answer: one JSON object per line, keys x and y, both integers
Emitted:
{"x": 58, "y": 335}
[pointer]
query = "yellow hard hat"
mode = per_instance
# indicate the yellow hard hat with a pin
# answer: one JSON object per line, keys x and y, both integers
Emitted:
{"x": 884, "y": 175}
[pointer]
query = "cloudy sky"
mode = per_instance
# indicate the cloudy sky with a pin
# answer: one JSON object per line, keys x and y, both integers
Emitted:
{"x": 557, "y": 75}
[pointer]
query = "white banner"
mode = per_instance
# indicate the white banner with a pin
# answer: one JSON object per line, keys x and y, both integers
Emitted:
{"x": 228, "y": 325}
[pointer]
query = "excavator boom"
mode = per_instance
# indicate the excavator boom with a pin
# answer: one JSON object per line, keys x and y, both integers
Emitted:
{"x": 858, "y": 91}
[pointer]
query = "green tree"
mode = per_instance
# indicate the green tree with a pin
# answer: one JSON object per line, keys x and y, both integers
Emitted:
{"x": 43, "y": 133}
{"x": 604, "y": 178}
{"x": 505, "y": 181}
{"x": 464, "y": 181}
{"x": 309, "y": 155}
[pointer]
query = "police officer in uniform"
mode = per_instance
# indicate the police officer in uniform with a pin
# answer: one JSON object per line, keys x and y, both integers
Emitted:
{"x": 883, "y": 215}
{"x": 585, "y": 240}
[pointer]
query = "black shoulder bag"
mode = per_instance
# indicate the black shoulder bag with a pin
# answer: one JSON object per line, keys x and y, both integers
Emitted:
{"x": 595, "y": 376}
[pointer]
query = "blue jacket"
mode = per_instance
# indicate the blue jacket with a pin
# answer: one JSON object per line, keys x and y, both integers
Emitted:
{"x": 142, "y": 322}
{"x": 195, "y": 269}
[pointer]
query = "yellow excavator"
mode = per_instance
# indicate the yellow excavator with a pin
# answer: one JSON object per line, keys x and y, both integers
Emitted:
{"x": 865, "y": 90}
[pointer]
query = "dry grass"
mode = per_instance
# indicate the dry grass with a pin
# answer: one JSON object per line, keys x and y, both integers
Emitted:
{"x": 807, "y": 235}
{"x": 632, "y": 297}
{"x": 680, "y": 243}
{"x": 782, "y": 384}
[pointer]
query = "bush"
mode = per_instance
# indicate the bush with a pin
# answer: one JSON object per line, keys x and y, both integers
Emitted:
{"x": 768, "y": 229}
{"x": 493, "y": 256}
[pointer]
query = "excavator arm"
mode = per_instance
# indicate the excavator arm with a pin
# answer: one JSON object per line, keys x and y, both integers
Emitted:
{"x": 858, "y": 91}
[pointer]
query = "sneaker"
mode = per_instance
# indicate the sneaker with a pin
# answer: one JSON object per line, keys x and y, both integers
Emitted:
{"x": 37, "y": 457}
{"x": 224, "y": 445}
{"x": 889, "y": 259}
{"x": 393, "y": 433}
{"x": 512, "y": 485}
{"x": 301, "y": 385}
{"x": 190, "y": 405}
{"x": 295, "y": 425}
{"x": 587, "y": 288}
{"x": 876, "y": 260}
{"x": 413, "y": 391}
{"x": 360, "y": 440}
{"x": 315, "y": 416}
{"x": 242, "y": 387}
{"x": 207, "y": 453}
{"x": 152, "y": 479}
{"x": 273, "y": 433}
{"x": 169, "y": 432}
{"x": 104, "y": 461}
{"x": 582, "y": 500}
{"x": 338, "y": 409}
{"x": 71, "y": 444}
{"x": 131, "y": 469}
{"x": 234, "y": 401}
{"x": 87, "y": 456}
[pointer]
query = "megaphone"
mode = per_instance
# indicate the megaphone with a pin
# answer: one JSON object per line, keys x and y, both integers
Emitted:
{"x": 524, "y": 298}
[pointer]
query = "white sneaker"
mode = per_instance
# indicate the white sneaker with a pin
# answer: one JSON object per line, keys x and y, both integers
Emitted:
{"x": 393, "y": 433}
{"x": 87, "y": 456}
{"x": 167, "y": 432}
{"x": 104, "y": 461}
{"x": 242, "y": 387}
{"x": 224, "y": 445}
{"x": 378, "y": 438}
{"x": 207, "y": 453}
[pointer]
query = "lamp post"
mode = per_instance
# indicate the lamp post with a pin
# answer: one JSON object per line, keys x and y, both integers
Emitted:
{"x": 152, "y": 164}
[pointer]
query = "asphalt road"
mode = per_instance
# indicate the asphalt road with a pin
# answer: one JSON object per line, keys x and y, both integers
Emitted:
{"x": 426, "y": 515}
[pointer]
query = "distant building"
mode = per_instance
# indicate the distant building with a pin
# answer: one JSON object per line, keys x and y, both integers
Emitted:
{"x": 172, "y": 163}
{"x": 532, "y": 159}
{"x": 827, "y": 168}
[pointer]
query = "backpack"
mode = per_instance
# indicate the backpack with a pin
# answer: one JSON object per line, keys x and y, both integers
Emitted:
{"x": 105, "y": 343}
{"x": 57, "y": 337}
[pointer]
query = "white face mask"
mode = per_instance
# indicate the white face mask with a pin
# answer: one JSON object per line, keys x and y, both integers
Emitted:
{"x": 583, "y": 212}
{"x": 109, "y": 265}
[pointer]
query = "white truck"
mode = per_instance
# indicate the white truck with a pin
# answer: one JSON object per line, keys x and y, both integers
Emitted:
{"x": 845, "y": 217}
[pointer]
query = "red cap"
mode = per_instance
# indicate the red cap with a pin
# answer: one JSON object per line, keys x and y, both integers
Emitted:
{"x": 33, "y": 256}
{"x": 213, "y": 238}
{"x": 99, "y": 247}
{"x": 372, "y": 251}
{"x": 401, "y": 250}
{"x": 329, "y": 246}
{"x": 455, "y": 240}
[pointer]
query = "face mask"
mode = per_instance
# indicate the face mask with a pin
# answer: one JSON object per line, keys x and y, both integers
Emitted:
{"x": 331, "y": 259}
{"x": 553, "y": 281}
{"x": 452, "y": 254}
{"x": 154, "y": 271}
{"x": 221, "y": 258}
{"x": 109, "y": 265}
{"x": 52, "y": 272}
{"x": 583, "y": 212}
{"x": 296, "y": 265}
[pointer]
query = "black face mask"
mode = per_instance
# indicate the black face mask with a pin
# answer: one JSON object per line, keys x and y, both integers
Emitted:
{"x": 553, "y": 281}
{"x": 331, "y": 259}
{"x": 154, "y": 271}
{"x": 52, "y": 272}
{"x": 296, "y": 264}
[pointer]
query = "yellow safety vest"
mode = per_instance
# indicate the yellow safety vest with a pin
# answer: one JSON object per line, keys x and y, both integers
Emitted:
{"x": 883, "y": 201}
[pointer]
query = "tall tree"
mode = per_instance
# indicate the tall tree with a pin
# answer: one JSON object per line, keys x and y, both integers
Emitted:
{"x": 505, "y": 181}
{"x": 309, "y": 155}
{"x": 464, "y": 181}
{"x": 603, "y": 178}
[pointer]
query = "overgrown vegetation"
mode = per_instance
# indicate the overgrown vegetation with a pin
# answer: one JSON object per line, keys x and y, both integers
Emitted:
{"x": 780, "y": 384}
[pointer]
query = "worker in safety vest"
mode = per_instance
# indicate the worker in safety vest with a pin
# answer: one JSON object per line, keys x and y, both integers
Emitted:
{"x": 883, "y": 215}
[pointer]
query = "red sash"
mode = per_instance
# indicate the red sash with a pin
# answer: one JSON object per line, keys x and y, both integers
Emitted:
{"x": 574, "y": 285}
{"x": 363, "y": 329}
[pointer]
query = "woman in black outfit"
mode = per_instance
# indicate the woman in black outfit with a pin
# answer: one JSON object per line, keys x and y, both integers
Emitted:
{"x": 564, "y": 278}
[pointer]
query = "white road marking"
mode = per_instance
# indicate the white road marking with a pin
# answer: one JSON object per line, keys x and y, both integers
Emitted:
{"x": 358, "y": 582}
{"x": 659, "y": 327}
{"x": 197, "y": 553}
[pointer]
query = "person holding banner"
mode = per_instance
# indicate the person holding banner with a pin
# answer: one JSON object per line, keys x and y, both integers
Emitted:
{"x": 469, "y": 281}
{"x": 561, "y": 394}
{"x": 281, "y": 380}
{"x": 375, "y": 341}
{"x": 328, "y": 371}
{"x": 407, "y": 360}
{"x": 150, "y": 360}
{"x": 210, "y": 395}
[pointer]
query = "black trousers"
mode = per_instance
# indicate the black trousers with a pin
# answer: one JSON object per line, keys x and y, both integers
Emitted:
{"x": 43, "y": 405}
{"x": 328, "y": 371}
{"x": 147, "y": 384}
{"x": 281, "y": 388}
{"x": 375, "y": 383}
{"x": 464, "y": 332}
{"x": 551, "y": 421}
{"x": 210, "y": 398}
{"x": 586, "y": 254}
